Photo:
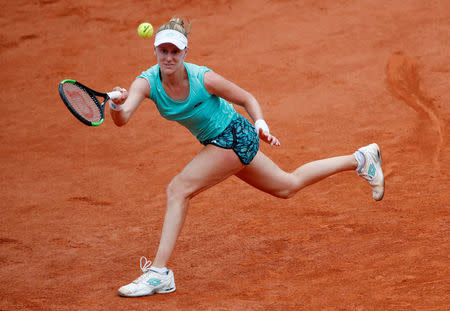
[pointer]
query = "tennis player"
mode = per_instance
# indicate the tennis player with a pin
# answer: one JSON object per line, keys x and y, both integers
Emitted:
{"x": 200, "y": 99}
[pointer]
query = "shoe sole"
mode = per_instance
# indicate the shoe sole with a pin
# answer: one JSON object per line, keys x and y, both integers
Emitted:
{"x": 379, "y": 156}
{"x": 167, "y": 291}
{"x": 170, "y": 290}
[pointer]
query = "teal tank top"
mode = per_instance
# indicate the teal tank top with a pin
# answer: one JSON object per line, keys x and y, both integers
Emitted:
{"x": 204, "y": 115}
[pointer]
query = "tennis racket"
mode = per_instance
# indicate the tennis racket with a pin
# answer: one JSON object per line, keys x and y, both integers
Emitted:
{"x": 83, "y": 102}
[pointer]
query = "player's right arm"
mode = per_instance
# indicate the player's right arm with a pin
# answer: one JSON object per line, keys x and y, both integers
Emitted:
{"x": 129, "y": 101}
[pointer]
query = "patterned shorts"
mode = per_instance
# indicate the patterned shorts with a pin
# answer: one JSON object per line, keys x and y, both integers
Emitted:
{"x": 240, "y": 136}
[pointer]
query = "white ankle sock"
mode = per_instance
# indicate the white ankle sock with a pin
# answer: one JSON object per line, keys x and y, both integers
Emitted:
{"x": 159, "y": 270}
{"x": 361, "y": 159}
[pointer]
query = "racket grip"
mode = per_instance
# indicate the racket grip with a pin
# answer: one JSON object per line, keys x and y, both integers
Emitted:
{"x": 114, "y": 94}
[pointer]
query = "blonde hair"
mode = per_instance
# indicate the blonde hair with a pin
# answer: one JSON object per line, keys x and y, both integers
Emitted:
{"x": 177, "y": 24}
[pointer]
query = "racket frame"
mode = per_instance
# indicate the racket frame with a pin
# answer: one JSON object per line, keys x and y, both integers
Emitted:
{"x": 93, "y": 94}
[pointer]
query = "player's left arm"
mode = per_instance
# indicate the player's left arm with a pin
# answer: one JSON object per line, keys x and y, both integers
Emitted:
{"x": 219, "y": 86}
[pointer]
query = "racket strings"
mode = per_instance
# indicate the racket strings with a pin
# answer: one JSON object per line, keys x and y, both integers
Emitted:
{"x": 85, "y": 104}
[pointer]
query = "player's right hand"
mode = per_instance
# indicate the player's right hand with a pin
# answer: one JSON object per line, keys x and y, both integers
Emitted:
{"x": 121, "y": 99}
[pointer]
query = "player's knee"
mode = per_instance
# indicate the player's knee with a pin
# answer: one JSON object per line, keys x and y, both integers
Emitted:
{"x": 176, "y": 190}
{"x": 285, "y": 194}
{"x": 288, "y": 191}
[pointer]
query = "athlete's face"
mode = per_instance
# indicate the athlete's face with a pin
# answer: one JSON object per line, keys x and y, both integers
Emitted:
{"x": 170, "y": 58}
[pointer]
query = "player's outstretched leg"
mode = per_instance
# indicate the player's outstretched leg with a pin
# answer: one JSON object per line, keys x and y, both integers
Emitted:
{"x": 371, "y": 170}
{"x": 265, "y": 175}
{"x": 149, "y": 283}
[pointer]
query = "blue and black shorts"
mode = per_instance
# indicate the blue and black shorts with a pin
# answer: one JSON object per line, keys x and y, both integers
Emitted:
{"x": 240, "y": 135}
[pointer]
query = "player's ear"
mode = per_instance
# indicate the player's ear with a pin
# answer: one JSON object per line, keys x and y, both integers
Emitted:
{"x": 185, "y": 51}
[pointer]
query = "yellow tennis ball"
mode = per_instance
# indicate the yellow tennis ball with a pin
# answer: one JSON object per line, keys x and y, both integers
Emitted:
{"x": 145, "y": 30}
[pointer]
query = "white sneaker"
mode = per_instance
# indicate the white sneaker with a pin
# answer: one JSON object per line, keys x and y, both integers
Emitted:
{"x": 372, "y": 171}
{"x": 149, "y": 283}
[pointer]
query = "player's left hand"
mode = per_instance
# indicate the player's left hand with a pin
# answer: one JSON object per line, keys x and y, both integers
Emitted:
{"x": 268, "y": 138}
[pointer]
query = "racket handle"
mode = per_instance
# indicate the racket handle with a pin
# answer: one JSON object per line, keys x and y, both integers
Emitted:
{"x": 114, "y": 94}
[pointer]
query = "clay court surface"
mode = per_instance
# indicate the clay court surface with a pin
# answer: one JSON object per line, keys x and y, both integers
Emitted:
{"x": 80, "y": 205}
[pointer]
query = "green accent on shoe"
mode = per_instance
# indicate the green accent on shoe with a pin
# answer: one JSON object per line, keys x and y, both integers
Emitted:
{"x": 371, "y": 171}
{"x": 154, "y": 282}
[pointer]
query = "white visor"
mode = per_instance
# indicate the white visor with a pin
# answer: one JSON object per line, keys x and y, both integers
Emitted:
{"x": 171, "y": 36}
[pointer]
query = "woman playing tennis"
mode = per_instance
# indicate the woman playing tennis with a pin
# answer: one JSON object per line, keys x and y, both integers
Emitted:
{"x": 199, "y": 99}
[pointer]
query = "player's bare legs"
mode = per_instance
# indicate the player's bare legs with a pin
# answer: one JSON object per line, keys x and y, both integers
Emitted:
{"x": 209, "y": 167}
{"x": 264, "y": 174}
{"x": 214, "y": 164}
